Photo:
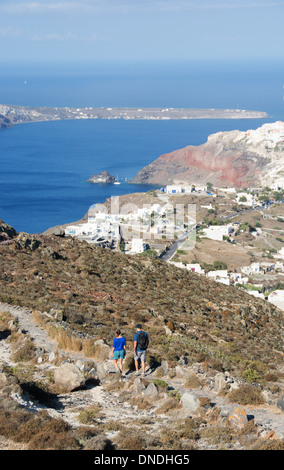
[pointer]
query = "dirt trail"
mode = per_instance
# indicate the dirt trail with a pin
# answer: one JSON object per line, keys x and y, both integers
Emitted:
{"x": 68, "y": 406}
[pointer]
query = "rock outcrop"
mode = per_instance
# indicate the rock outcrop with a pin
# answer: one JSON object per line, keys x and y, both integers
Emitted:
{"x": 234, "y": 159}
{"x": 103, "y": 177}
{"x": 6, "y": 232}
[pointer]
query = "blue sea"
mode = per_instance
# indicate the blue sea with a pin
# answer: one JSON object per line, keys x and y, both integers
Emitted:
{"x": 44, "y": 166}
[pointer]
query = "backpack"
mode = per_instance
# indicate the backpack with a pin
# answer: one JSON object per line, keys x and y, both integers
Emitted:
{"x": 142, "y": 342}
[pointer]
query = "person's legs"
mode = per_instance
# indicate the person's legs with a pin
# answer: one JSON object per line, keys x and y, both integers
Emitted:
{"x": 115, "y": 364}
{"x": 120, "y": 364}
{"x": 136, "y": 361}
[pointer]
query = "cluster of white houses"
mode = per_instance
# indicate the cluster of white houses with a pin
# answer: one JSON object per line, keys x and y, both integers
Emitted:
{"x": 133, "y": 224}
{"x": 246, "y": 198}
{"x": 242, "y": 278}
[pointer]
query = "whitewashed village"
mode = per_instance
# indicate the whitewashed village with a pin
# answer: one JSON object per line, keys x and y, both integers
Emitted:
{"x": 172, "y": 219}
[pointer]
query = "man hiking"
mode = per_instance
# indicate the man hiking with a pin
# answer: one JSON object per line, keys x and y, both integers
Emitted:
{"x": 141, "y": 342}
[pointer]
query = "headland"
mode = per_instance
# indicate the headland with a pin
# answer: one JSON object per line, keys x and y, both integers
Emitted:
{"x": 13, "y": 114}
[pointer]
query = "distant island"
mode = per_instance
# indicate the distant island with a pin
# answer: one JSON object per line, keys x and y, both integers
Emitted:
{"x": 12, "y": 114}
{"x": 103, "y": 177}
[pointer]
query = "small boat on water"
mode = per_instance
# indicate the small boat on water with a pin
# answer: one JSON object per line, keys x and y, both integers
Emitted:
{"x": 116, "y": 182}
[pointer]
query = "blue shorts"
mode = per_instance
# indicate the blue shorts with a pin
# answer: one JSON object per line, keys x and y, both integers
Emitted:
{"x": 119, "y": 354}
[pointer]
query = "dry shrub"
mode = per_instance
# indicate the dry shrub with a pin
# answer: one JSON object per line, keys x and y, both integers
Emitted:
{"x": 133, "y": 443}
{"x": 192, "y": 382}
{"x": 89, "y": 414}
{"x": 88, "y": 347}
{"x": 160, "y": 372}
{"x": 246, "y": 395}
{"x": 5, "y": 318}
{"x": 66, "y": 340}
{"x": 218, "y": 435}
{"x": 170, "y": 405}
{"x": 128, "y": 363}
{"x": 171, "y": 439}
{"x": 129, "y": 439}
{"x": 99, "y": 442}
{"x": 38, "y": 431}
{"x": 24, "y": 348}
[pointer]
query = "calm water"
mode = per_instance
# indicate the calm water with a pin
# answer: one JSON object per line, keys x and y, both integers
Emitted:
{"x": 44, "y": 166}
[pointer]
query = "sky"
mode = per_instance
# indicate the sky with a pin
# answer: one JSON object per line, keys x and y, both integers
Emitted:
{"x": 122, "y": 30}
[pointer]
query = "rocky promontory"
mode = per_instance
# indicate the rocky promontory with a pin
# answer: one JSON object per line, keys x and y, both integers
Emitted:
{"x": 102, "y": 177}
{"x": 235, "y": 159}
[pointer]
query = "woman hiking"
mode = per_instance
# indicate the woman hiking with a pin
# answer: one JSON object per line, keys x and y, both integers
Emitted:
{"x": 118, "y": 350}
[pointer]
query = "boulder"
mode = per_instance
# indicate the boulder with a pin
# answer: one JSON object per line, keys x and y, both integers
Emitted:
{"x": 151, "y": 390}
{"x": 190, "y": 401}
{"x": 165, "y": 367}
{"x": 220, "y": 381}
{"x": 69, "y": 377}
{"x": 182, "y": 372}
{"x": 102, "y": 370}
{"x": 102, "y": 350}
{"x": 138, "y": 385}
{"x": 58, "y": 231}
{"x": 238, "y": 418}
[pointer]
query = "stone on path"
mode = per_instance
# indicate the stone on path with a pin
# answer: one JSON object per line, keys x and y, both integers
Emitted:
{"x": 69, "y": 377}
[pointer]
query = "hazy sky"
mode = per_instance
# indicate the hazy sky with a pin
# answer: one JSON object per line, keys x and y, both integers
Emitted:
{"x": 140, "y": 29}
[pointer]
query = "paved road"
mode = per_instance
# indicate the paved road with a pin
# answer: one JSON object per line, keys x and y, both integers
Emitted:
{"x": 171, "y": 252}
{"x": 176, "y": 245}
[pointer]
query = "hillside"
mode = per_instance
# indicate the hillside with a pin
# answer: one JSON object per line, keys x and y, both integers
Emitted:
{"x": 234, "y": 159}
{"x": 99, "y": 290}
{"x": 198, "y": 330}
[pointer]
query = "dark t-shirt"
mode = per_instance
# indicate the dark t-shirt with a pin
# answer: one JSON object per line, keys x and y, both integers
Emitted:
{"x": 136, "y": 338}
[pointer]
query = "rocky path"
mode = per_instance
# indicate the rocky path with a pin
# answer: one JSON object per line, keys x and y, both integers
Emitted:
{"x": 268, "y": 418}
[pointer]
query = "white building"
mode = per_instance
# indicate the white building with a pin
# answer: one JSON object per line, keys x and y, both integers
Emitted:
{"x": 280, "y": 253}
{"x": 255, "y": 293}
{"x": 228, "y": 190}
{"x": 277, "y": 298}
{"x": 249, "y": 199}
{"x": 278, "y": 185}
{"x": 221, "y": 275}
{"x": 178, "y": 189}
{"x": 217, "y": 232}
{"x": 237, "y": 278}
{"x": 254, "y": 268}
{"x": 196, "y": 268}
{"x": 138, "y": 245}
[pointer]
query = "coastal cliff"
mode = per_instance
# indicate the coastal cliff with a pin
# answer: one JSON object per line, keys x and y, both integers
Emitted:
{"x": 238, "y": 159}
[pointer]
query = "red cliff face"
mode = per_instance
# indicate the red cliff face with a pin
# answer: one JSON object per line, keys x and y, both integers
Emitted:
{"x": 211, "y": 161}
